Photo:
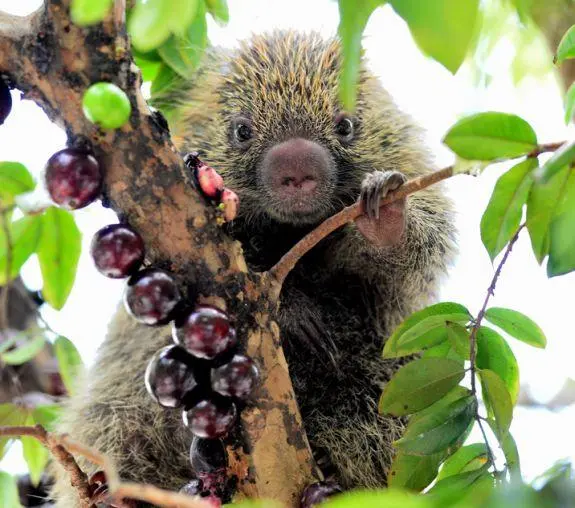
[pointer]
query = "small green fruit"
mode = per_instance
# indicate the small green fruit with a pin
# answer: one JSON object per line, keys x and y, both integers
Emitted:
{"x": 89, "y": 12}
{"x": 106, "y": 105}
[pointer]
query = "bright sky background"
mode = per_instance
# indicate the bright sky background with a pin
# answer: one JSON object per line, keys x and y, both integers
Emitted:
{"x": 434, "y": 98}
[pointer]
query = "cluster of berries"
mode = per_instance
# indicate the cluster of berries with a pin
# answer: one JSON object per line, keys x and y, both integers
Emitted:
{"x": 202, "y": 372}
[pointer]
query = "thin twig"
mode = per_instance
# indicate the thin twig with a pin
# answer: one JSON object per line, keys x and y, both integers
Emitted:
{"x": 544, "y": 148}
{"x": 78, "y": 478}
{"x": 476, "y": 326}
{"x": 490, "y": 292}
{"x": 62, "y": 447}
{"x": 288, "y": 261}
{"x": 489, "y": 451}
{"x": 348, "y": 214}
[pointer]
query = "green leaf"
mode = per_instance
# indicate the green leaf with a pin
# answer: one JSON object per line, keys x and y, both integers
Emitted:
{"x": 566, "y": 48}
{"x": 443, "y": 430}
{"x": 444, "y": 349}
{"x": 457, "y": 483}
{"x": 455, "y": 394}
{"x": 148, "y": 68}
{"x": 149, "y": 24}
{"x": 69, "y": 363}
{"x": 517, "y": 325}
{"x": 493, "y": 353}
{"x": 383, "y": 498}
{"x": 183, "y": 54}
{"x": 561, "y": 238}
{"x": 353, "y": 18}
{"x": 458, "y": 337}
{"x": 560, "y": 470}
{"x": 219, "y": 10}
{"x": 419, "y": 384}
{"x": 511, "y": 457}
{"x": 35, "y": 455}
{"x": 415, "y": 332}
{"x": 11, "y": 415}
{"x": 24, "y": 237}
{"x": 565, "y": 156}
{"x": 14, "y": 179}
{"x": 58, "y": 254}
{"x": 25, "y": 352}
{"x": 541, "y": 205}
{"x": 503, "y": 213}
{"x": 47, "y": 415}
{"x": 523, "y": 10}
{"x": 489, "y": 136}
{"x": 413, "y": 472}
{"x": 165, "y": 80}
{"x": 498, "y": 400}
{"x": 89, "y": 12}
{"x": 569, "y": 104}
{"x": 443, "y": 29}
{"x": 467, "y": 458}
{"x": 9, "y": 497}
{"x": 183, "y": 12}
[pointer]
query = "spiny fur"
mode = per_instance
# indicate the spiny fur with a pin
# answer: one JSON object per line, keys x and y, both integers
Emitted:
{"x": 339, "y": 303}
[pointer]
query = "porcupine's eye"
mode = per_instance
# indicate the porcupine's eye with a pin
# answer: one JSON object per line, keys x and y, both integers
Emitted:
{"x": 344, "y": 127}
{"x": 242, "y": 131}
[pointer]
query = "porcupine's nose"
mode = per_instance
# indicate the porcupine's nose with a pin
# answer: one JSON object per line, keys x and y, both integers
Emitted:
{"x": 294, "y": 167}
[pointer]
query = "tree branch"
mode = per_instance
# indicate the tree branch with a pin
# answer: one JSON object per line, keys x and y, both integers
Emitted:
{"x": 285, "y": 265}
{"x": 53, "y": 62}
{"x": 61, "y": 448}
{"x": 78, "y": 478}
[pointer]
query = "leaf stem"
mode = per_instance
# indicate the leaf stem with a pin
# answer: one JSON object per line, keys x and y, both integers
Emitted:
{"x": 544, "y": 148}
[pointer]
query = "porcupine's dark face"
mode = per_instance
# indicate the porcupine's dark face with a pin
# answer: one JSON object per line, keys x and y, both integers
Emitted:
{"x": 289, "y": 144}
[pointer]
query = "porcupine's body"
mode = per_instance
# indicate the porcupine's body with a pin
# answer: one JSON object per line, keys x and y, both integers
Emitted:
{"x": 339, "y": 303}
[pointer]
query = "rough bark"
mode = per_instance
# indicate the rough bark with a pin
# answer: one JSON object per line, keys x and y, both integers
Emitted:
{"x": 52, "y": 62}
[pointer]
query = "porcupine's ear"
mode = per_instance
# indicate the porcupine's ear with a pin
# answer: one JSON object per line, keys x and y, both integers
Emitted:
{"x": 187, "y": 103}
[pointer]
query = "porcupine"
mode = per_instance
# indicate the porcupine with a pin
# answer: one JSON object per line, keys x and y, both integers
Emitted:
{"x": 268, "y": 117}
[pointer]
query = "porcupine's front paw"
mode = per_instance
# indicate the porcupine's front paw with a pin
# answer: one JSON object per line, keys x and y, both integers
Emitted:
{"x": 383, "y": 227}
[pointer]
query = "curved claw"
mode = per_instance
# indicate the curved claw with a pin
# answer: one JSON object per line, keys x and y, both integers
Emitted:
{"x": 375, "y": 187}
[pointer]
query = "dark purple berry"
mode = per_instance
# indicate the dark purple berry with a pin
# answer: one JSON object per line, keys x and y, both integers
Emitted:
{"x": 317, "y": 493}
{"x": 238, "y": 378}
{"x": 73, "y": 178}
{"x": 5, "y": 101}
{"x": 206, "y": 332}
{"x": 117, "y": 250}
{"x": 169, "y": 377}
{"x": 207, "y": 455}
{"x": 210, "y": 418}
{"x": 192, "y": 488}
{"x": 151, "y": 295}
